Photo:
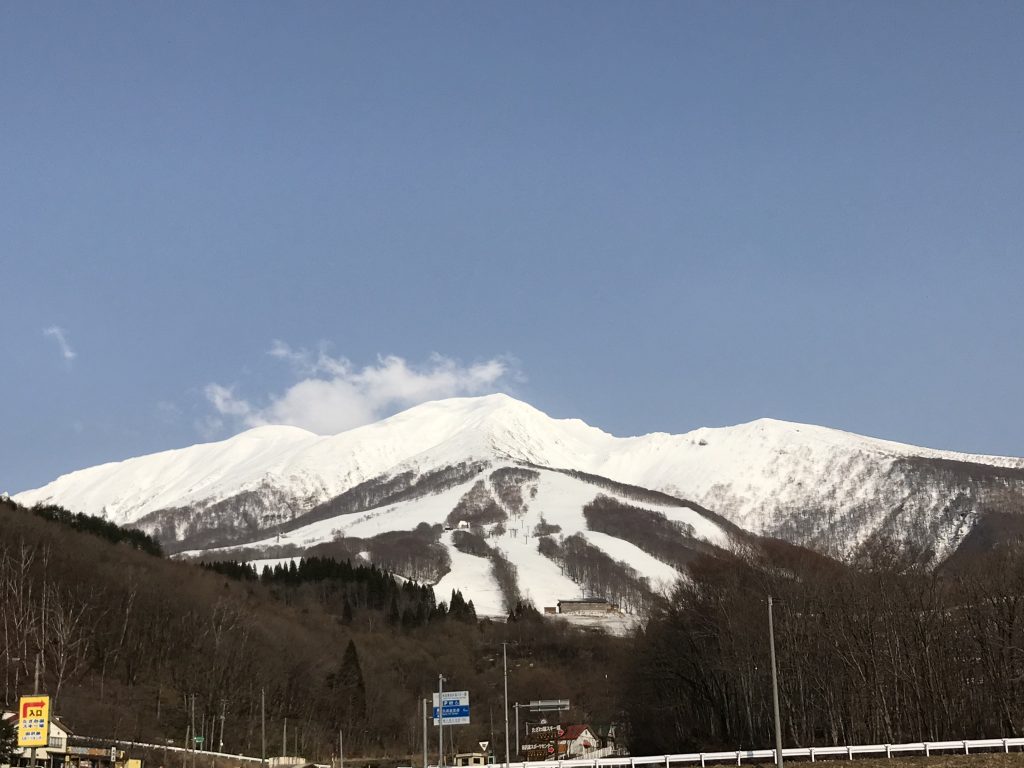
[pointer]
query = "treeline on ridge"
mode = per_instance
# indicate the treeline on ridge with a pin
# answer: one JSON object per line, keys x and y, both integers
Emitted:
{"x": 346, "y": 588}
{"x": 97, "y": 526}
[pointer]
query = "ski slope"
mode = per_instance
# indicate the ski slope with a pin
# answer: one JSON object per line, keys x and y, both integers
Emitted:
{"x": 559, "y": 500}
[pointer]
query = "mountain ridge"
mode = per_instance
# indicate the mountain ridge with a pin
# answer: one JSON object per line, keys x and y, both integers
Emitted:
{"x": 654, "y": 441}
{"x": 833, "y": 491}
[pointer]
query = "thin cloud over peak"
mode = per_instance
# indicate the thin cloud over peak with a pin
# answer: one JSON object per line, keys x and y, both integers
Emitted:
{"x": 332, "y": 395}
{"x": 59, "y": 335}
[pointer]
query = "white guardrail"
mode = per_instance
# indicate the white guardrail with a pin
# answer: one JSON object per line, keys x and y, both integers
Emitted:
{"x": 809, "y": 753}
{"x": 701, "y": 758}
{"x": 169, "y": 748}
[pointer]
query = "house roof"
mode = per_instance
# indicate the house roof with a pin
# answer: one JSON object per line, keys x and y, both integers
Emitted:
{"x": 574, "y": 731}
{"x": 586, "y": 600}
{"x": 54, "y": 720}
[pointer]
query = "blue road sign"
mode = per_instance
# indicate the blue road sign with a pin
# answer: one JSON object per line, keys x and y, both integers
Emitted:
{"x": 452, "y": 711}
{"x": 456, "y": 708}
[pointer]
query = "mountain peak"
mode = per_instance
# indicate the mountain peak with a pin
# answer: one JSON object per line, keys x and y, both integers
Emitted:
{"x": 275, "y": 432}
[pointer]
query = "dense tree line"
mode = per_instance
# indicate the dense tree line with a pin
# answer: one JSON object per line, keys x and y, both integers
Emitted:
{"x": 477, "y": 508}
{"x": 342, "y": 586}
{"x": 233, "y": 569}
{"x": 882, "y": 651}
{"x": 97, "y": 526}
{"x": 510, "y": 484}
{"x": 417, "y": 554}
{"x": 670, "y": 541}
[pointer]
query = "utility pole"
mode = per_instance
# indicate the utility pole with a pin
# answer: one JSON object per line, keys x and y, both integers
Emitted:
{"x": 192, "y": 720}
{"x": 341, "y": 751}
{"x": 425, "y": 703}
{"x": 440, "y": 721}
{"x": 517, "y": 729}
{"x": 504, "y": 663}
{"x": 775, "y": 687}
{"x": 284, "y": 739}
{"x": 35, "y": 689}
{"x": 188, "y": 737}
{"x": 223, "y": 707}
{"x": 263, "y": 728}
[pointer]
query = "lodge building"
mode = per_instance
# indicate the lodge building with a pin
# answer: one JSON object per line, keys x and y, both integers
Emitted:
{"x": 64, "y": 751}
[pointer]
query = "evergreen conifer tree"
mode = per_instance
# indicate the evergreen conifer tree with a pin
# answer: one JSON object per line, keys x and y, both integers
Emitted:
{"x": 348, "y": 685}
{"x": 8, "y": 740}
{"x": 394, "y": 616}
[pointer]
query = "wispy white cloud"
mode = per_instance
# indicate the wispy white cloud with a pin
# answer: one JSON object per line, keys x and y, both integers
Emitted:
{"x": 332, "y": 394}
{"x": 224, "y": 401}
{"x": 168, "y": 412}
{"x": 59, "y": 335}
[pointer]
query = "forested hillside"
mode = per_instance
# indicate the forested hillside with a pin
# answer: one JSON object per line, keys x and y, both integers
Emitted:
{"x": 124, "y": 636}
{"x": 884, "y": 651}
{"x": 880, "y": 650}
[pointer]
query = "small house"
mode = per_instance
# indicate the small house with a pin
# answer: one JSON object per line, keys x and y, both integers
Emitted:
{"x": 55, "y": 753}
{"x": 577, "y": 741}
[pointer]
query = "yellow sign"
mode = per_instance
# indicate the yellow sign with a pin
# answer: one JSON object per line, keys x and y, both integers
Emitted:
{"x": 34, "y": 721}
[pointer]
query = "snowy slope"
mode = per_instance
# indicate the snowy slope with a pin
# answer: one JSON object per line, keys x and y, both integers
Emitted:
{"x": 551, "y": 498}
{"x": 811, "y": 485}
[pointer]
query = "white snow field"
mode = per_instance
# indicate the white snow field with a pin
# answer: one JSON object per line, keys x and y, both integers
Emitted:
{"x": 312, "y": 468}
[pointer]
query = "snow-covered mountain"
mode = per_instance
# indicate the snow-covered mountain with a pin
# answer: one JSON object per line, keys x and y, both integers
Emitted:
{"x": 282, "y": 486}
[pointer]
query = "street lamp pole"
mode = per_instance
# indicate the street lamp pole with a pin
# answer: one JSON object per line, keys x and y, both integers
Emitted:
{"x": 504, "y": 660}
{"x": 192, "y": 720}
{"x": 263, "y": 728}
{"x": 35, "y": 689}
{"x": 775, "y": 687}
{"x": 16, "y": 661}
{"x": 223, "y": 708}
{"x": 424, "y": 733}
{"x": 440, "y": 721}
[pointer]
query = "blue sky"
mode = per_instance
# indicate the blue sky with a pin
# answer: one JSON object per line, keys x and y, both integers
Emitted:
{"x": 651, "y": 216}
